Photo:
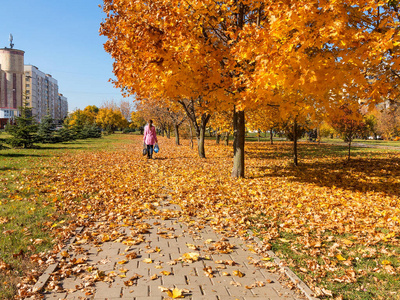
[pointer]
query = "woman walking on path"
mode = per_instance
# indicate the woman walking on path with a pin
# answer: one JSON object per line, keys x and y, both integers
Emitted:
{"x": 150, "y": 138}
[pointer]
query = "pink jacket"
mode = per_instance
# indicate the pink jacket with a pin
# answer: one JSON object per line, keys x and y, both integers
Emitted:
{"x": 150, "y": 137}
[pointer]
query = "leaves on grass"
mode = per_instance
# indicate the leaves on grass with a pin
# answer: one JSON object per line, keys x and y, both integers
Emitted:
{"x": 330, "y": 212}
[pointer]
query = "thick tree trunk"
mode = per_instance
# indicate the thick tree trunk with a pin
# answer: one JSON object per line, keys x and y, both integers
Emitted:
{"x": 227, "y": 139}
{"x": 258, "y": 135}
{"x": 218, "y": 138}
{"x": 200, "y": 142}
{"x": 295, "y": 160}
{"x": 238, "y": 149}
{"x": 176, "y": 134}
{"x": 168, "y": 133}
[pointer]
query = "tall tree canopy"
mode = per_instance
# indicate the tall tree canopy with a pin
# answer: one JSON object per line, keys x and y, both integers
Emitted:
{"x": 239, "y": 55}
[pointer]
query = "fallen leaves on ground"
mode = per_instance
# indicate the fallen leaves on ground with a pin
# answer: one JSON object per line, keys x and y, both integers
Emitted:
{"x": 327, "y": 209}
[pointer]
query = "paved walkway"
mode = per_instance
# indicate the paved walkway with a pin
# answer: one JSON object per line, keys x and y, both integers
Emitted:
{"x": 153, "y": 259}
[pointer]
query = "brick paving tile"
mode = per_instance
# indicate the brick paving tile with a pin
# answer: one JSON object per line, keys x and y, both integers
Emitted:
{"x": 166, "y": 244}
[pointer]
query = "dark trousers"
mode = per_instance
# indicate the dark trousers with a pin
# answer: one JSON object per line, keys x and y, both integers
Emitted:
{"x": 150, "y": 151}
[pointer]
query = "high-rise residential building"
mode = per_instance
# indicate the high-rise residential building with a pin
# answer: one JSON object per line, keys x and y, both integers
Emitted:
{"x": 11, "y": 81}
{"x": 42, "y": 95}
{"x": 61, "y": 108}
{"x": 20, "y": 83}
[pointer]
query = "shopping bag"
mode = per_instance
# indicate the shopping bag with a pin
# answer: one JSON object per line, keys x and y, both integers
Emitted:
{"x": 156, "y": 149}
{"x": 144, "y": 150}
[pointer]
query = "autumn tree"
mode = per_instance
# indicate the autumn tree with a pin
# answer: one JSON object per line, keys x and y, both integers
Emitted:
{"x": 137, "y": 121}
{"x": 349, "y": 124}
{"x": 236, "y": 55}
{"x": 110, "y": 119}
{"x": 388, "y": 122}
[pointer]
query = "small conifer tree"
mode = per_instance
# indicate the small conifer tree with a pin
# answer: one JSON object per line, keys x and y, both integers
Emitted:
{"x": 46, "y": 129}
{"x": 24, "y": 131}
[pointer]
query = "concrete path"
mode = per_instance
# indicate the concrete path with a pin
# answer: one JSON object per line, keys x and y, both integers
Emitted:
{"x": 163, "y": 259}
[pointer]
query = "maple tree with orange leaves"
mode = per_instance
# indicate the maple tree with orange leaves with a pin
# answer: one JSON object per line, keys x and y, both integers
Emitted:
{"x": 240, "y": 55}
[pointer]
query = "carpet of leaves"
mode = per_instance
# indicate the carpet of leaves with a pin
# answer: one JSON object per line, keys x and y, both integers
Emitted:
{"x": 328, "y": 211}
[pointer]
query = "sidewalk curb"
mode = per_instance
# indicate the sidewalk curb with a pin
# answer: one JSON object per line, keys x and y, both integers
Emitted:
{"x": 289, "y": 273}
{"x": 51, "y": 268}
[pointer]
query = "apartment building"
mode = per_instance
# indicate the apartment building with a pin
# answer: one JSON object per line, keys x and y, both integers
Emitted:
{"x": 20, "y": 83}
{"x": 42, "y": 95}
{"x": 61, "y": 108}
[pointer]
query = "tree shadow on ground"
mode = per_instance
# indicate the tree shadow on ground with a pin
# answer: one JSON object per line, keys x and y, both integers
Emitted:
{"x": 370, "y": 171}
{"x": 21, "y": 155}
{"x": 60, "y": 148}
{"x": 8, "y": 169}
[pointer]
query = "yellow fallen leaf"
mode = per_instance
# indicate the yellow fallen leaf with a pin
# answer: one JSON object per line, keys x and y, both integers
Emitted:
{"x": 190, "y": 257}
{"x": 64, "y": 254}
{"x": 340, "y": 257}
{"x": 237, "y": 273}
{"x": 165, "y": 273}
{"x": 148, "y": 260}
{"x": 175, "y": 293}
{"x": 347, "y": 242}
{"x": 191, "y": 246}
{"x": 122, "y": 262}
{"x": 386, "y": 262}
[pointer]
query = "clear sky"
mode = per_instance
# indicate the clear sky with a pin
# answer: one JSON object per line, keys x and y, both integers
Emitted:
{"x": 61, "y": 38}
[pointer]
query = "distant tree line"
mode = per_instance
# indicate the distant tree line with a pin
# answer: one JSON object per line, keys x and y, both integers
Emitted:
{"x": 91, "y": 122}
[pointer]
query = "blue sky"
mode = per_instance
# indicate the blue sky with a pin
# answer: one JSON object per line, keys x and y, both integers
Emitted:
{"x": 61, "y": 38}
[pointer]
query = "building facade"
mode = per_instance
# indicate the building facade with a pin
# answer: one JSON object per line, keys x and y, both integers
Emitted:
{"x": 11, "y": 82}
{"x": 42, "y": 95}
{"x": 61, "y": 108}
{"x": 21, "y": 83}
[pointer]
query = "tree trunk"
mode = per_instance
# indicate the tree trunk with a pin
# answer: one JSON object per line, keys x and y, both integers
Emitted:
{"x": 295, "y": 161}
{"x": 200, "y": 129}
{"x": 271, "y": 137}
{"x": 218, "y": 138}
{"x": 168, "y": 133}
{"x": 176, "y": 134}
{"x": 227, "y": 139}
{"x": 191, "y": 135}
{"x": 238, "y": 148}
{"x": 349, "y": 149}
{"x": 258, "y": 135}
{"x": 200, "y": 142}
